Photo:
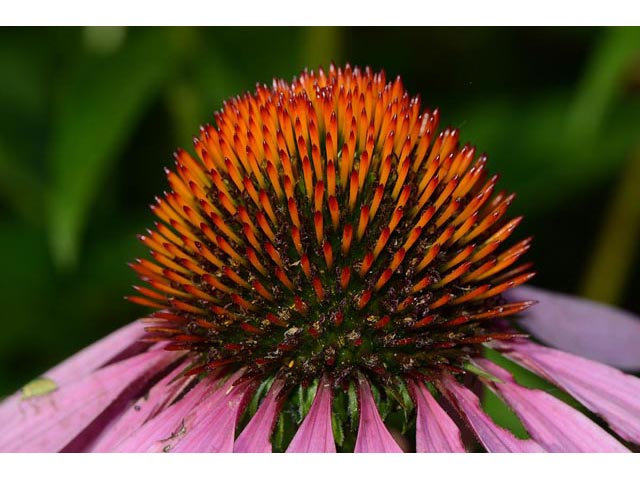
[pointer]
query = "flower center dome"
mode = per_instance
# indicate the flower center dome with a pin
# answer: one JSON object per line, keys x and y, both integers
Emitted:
{"x": 327, "y": 229}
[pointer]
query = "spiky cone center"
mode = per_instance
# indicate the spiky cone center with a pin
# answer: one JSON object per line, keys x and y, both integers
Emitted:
{"x": 327, "y": 229}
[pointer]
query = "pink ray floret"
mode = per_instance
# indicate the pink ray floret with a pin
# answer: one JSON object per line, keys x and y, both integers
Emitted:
{"x": 255, "y": 437}
{"x": 583, "y": 327}
{"x": 79, "y": 365}
{"x": 435, "y": 431}
{"x": 373, "y": 436}
{"x": 146, "y": 407}
{"x": 50, "y": 422}
{"x": 315, "y": 434}
{"x": 168, "y": 424}
{"x": 211, "y": 427}
{"x": 604, "y": 390}
{"x": 493, "y": 437}
{"x": 552, "y": 423}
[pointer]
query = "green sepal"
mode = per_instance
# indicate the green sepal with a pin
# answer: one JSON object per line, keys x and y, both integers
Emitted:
{"x": 305, "y": 398}
{"x": 353, "y": 408}
{"x": 261, "y": 391}
{"x": 338, "y": 431}
{"x": 399, "y": 394}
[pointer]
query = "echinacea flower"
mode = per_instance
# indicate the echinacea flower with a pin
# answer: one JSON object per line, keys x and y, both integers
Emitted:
{"x": 328, "y": 273}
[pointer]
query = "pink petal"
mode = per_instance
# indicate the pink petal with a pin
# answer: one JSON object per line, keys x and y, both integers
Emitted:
{"x": 169, "y": 425}
{"x": 315, "y": 435}
{"x": 583, "y": 327}
{"x": 435, "y": 431}
{"x": 255, "y": 438}
{"x": 552, "y": 423}
{"x": 155, "y": 400}
{"x": 211, "y": 426}
{"x": 604, "y": 390}
{"x": 79, "y": 365}
{"x": 493, "y": 437}
{"x": 373, "y": 436}
{"x": 48, "y": 423}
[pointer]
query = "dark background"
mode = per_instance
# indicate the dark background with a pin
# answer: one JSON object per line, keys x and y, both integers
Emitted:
{"x": 90, "y": 116}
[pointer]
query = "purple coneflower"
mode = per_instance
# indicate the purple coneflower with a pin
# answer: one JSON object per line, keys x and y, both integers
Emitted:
{"x": 328, "y": 275}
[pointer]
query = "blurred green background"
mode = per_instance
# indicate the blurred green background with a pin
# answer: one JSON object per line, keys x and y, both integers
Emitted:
{"x": 90, "y": 116}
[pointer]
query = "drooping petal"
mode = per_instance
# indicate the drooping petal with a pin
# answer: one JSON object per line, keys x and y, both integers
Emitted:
{"x": 211, "y": 426}
{"x": 146, "y": 407}
{"x": 169, "y": 425}
{"x": 79, "y": 365}
{"x": 493, "y": 437}
{"x": 435, "y": 431}
{"x": 98, "y": 353}
{"x": 48, "y": 423}
{"x": 315, "y": 434}
{"x": 255, "y": 437}
{"x": 604, "y": 390}
{"x": 583, "y": 327}
{"x": 552, "y": 423}
{"x": 373, "y": 436}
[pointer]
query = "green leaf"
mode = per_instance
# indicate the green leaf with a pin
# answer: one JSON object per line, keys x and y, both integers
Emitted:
{"x": 98, "y": 101}
{"x": 19, "y": 185}
{"x": 23, "y": 110}
{"x": 24, "y": 63}
{"x": 501, "y": 414}
{"x": 26, "y": 342}
{"x": 104, "y": 40}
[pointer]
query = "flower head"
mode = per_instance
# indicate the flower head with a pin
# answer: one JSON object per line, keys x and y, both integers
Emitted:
{"x": 328, "y": 260}
{"x": 329, "y": 230}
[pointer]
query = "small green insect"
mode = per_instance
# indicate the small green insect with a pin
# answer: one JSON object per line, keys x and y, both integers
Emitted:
{"x": 38, "y": 387}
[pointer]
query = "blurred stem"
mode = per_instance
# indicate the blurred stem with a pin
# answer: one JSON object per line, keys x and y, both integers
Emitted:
{"x": 203, "y": 79}
{"x": 182, "y": 102}
{"x": 601, "y": 82}
{"x": 321, "y": 46}
{"x": 180, "y": 97}
{"x": 615, "y": 250}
